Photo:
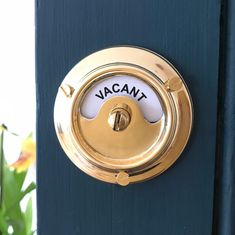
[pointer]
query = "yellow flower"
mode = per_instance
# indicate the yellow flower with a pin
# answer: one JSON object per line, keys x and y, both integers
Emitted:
{"x": 27, "y": 156}
{"x": 3, "y": 127}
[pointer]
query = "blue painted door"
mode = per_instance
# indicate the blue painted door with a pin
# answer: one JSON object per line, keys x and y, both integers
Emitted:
{"x": 178, "y": 202}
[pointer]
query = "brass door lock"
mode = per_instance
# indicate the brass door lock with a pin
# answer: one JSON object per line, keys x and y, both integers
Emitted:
{"x": 123, "y": 115}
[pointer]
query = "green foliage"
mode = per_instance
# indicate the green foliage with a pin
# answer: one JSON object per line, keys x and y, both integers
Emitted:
{"x": 11, "y": 214}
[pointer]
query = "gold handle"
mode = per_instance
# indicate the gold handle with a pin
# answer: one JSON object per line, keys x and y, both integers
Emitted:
{"x": 120, "y": 117}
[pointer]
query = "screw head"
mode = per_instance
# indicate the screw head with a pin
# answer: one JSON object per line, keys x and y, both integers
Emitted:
{"x": 123, "y": 178}
{"x": 173, "y": 84}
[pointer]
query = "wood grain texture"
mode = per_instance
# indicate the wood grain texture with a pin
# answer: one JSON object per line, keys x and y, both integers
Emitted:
{"x": 225, "y": 192}
{"x": 178, "y": 202}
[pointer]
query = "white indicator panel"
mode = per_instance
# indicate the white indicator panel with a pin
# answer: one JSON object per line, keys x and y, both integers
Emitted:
{"x": 122, "y": 85}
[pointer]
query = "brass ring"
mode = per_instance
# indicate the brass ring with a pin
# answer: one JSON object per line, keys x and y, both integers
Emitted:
{"x": 165, "y": 140}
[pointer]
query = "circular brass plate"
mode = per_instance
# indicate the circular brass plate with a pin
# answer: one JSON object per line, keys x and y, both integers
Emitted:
{"x": 141, "y": 151}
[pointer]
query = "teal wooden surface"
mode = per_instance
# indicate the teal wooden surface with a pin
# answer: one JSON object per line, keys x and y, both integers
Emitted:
{"x": 225, "y": 190}
{"x": 178, "y": 202}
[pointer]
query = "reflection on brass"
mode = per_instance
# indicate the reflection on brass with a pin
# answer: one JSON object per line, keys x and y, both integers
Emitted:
{"x": 119, "y": 145}
{"x": 117, "y": 148}
{"x": 173, "y": 84}
{"x": 120, "y": 117}
{"x": 67, "y": 90}
{"x": 122, "y": 178}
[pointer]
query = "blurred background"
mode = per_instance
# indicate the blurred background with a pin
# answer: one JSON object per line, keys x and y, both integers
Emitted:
{"x": 17, "y": 80}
